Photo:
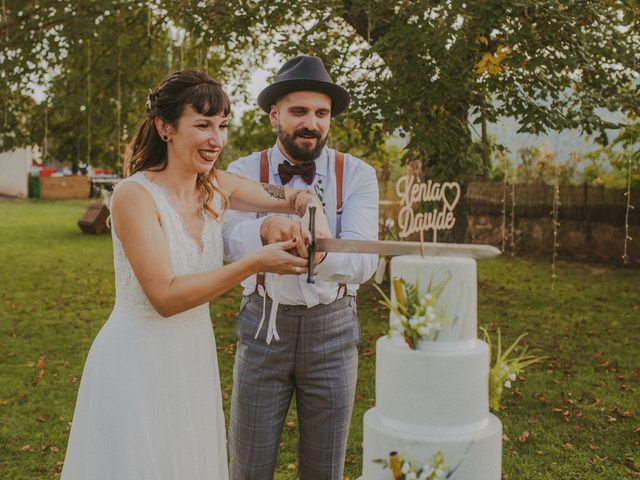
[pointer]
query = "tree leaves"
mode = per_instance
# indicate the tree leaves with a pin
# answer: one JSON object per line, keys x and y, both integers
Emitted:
{"x": 423, "y": 70}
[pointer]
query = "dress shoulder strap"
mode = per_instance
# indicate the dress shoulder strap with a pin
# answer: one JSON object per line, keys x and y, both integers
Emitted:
{"x": 155, "y": 190}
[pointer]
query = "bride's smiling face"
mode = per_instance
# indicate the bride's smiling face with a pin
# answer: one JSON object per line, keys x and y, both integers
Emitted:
{"x": 197, "y": 140}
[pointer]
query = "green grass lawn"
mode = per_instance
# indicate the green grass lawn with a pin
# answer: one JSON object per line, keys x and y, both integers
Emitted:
{"x": 574, "y": 416}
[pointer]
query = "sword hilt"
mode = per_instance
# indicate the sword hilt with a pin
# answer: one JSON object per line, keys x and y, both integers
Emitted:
{"x": 311, "y": 248}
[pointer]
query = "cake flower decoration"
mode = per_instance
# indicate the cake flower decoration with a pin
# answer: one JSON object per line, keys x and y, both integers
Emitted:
{"x": 403, "y": 469}
{"x": 504, "y": 370}
{"x": 414, "y": 317}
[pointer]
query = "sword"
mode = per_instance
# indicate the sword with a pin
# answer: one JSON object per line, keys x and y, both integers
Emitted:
{"x": 391, "y": 248}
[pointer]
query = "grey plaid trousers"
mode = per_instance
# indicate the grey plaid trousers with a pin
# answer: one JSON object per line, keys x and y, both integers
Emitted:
{"x": 317, "y": 359}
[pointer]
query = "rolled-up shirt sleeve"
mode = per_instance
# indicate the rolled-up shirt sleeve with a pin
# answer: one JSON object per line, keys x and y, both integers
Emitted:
{"x": 359, "y": 222}
{"x": 241, "y": 234}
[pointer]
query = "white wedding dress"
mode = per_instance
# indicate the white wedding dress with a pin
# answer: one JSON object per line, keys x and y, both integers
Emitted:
{"x": 149, "y": 405}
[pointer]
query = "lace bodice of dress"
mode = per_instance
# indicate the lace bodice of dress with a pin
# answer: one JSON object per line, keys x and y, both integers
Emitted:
{"x": 185, "y": 253}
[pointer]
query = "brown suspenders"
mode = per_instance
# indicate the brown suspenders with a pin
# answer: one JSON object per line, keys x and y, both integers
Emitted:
{"x": 339, "y": 170}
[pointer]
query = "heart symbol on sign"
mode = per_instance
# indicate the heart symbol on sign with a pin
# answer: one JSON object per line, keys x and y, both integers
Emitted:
{"x": 454, "y": 187}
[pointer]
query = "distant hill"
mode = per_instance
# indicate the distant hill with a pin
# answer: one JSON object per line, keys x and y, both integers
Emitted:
{"x": 560, "y": 143}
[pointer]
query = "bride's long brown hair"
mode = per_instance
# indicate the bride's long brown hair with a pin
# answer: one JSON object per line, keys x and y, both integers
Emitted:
{"x": 147, "y": 151}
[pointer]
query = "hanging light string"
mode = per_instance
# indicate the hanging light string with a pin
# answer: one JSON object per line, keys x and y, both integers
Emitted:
{"x": 6, "y": 36}
{"x": 627, "y": 237}
{"x": 89, "y": 102}
{"x": 512, "y": 234}
{"x": 149, "y": 20}
{"x": 5, "y": 19}
{"x": 45, "y": 142}
{"x": 119, "y": 106}
{"x": 556, "y": 225}
{"x": 503, "y": 226}
{"x": 182, "y": 54}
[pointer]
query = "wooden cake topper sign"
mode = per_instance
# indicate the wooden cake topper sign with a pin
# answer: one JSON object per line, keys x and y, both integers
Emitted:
{"x": 412, "y": 191}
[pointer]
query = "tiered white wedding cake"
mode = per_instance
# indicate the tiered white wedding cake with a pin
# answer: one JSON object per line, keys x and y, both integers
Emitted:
{"x": 435, "y": 398}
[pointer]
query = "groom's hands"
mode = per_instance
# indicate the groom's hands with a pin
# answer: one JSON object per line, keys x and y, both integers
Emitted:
{"x": 277, "y": 228}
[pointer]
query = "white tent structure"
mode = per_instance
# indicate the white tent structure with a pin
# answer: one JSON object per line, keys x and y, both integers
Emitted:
{"x": 14, "y": 172}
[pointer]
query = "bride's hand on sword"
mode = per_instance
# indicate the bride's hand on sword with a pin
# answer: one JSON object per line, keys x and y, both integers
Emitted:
{"x": 276, "y": 258}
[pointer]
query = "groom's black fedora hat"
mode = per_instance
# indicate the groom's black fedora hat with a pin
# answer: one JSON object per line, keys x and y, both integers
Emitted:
{"x": 304, "y": 73}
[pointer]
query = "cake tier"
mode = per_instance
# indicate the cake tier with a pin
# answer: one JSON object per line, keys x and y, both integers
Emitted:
{"x": 477, "y": 453}
{"x": 445, "y": 387}
{"x": 458, "y": 299}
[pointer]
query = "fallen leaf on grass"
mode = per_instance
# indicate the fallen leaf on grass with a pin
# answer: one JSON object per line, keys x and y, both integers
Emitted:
{"x": 610, "y": 419}
{"x": 568, "y": 446}
{"x": 627, "y": 414}
{"x": 291, "y": 466}
{"x": 27, "y": 448}
{"x": 41, "y": 363}
{"x": 291, "y": 424}
{"x": 523, "y": 436}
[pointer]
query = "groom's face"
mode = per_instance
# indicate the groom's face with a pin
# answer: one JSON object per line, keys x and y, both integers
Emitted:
{"x": 303, "y": 120}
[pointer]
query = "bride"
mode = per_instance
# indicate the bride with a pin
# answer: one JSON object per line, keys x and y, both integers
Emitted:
{"x": 149, "y": 405}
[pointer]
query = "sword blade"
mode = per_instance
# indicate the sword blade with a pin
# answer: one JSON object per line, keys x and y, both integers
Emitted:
{"x": 393, "y": 248}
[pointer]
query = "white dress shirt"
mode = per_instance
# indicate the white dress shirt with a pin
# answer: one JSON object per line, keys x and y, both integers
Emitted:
{"x": 358, "y": 220}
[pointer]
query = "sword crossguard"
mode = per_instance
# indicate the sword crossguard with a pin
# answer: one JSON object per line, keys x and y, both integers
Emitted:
{"x": 311, "y": 248}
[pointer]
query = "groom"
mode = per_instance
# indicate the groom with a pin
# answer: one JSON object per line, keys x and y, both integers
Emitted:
{"x": 316, "y": 356}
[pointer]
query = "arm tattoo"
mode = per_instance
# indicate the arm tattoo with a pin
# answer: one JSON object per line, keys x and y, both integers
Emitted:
{"x": 276, "y": 191}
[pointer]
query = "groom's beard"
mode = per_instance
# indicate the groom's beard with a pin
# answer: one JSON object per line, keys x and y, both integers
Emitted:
{"x": 298, "y": 152}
